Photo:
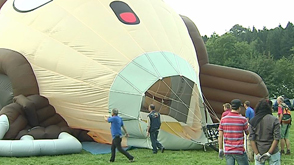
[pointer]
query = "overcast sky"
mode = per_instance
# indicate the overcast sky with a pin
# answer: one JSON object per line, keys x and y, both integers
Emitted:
{"x": 221, "y": 15}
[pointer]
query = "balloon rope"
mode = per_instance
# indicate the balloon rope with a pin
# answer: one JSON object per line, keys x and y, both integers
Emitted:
{"x": 181, "y": 101}
{"x": 209, "y": 107}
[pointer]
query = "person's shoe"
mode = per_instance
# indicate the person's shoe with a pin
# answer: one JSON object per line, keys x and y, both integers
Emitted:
{"x": 288, "y": 152}
{"x": 111, "y": 161}
{"x": 154, "y": 152}
{"x": 282, "y": 152}
{"x": 162, "y": 150}
{"x": 132, "y": 160}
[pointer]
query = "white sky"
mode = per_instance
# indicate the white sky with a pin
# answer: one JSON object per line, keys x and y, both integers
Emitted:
{"x": 221, "y": 15}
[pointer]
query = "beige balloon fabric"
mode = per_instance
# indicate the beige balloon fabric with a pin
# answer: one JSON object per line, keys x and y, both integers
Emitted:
{"x": 90, "y": 56}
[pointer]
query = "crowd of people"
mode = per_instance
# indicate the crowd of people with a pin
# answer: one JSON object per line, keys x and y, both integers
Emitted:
{"x": 258, "y": 128}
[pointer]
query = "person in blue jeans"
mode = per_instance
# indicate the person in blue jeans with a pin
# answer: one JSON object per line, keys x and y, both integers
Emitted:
{"x": 116, "y": 125}
{"x": 231, "y": 135}
{"x": 153, "y": 125}
{"x": 241, "y": 159}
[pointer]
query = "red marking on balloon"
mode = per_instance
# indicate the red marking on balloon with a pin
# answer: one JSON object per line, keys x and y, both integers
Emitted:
{"x": 128, "y": 17}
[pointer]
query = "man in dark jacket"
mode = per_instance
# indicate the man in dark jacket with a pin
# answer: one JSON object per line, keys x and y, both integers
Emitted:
{"x": 153, "y": 125}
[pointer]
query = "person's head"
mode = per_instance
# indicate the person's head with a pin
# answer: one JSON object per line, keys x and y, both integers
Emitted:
{"x": 114, "y": 112}
{"x": 280, "y": 100}
{"x": 227, "y": 106}
{"x": 151, "y": 107}
{"x": 236, "y": 104}
{"x": 263, "y": 106}
{"x": 247, "y": 104}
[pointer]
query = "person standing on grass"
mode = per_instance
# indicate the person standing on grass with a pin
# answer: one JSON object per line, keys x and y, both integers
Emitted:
{"x": 249, "y": 114}
{"x": 285, "y": 127}
{"x": 231, "y": 133}
{"x": 264, "y": 134}
{"x": 116, "y": 125}
{"x": 153, "y": 125}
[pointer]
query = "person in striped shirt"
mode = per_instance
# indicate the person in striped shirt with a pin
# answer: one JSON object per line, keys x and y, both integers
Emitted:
{"x": 231, "y": 135}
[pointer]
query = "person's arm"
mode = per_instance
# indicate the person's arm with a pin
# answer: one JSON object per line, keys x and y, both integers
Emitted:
{"x": 276, "y": 135}
{"x": 273, "y": 146}
{"x": 268, "y": 154}
{"x": 159, "y": 119}
{"x": 246, "y": 128}
{"x": 280, "y": 113}
{"x": 106, "y": 118}
{"x": 220, "y": 144}
{"x": 253, "y": 143}
{"x": 251, "y": 137}
{"x": 123, "y": 127}
{"x": 220, "y": 140}
{"x": 247, "y": 114}
{"x": 148, "y": 125}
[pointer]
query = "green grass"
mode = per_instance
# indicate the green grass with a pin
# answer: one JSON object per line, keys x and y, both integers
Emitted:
{"x": 142, "y": 156}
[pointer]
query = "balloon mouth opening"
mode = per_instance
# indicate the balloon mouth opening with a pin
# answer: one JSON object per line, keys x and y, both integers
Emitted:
{"x": 174, "y": 98}
{"x": 171, "y": 96}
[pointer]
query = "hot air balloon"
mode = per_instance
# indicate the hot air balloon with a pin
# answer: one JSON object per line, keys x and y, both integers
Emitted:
{"x": 84, "y": 58}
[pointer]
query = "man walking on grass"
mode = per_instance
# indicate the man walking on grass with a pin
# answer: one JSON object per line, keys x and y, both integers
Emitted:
{"x": 153, "y": 125}
{"x": 116, "y": 125}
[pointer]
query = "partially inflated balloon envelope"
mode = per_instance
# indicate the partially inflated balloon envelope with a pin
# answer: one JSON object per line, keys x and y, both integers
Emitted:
{"x": 90, "y": 56}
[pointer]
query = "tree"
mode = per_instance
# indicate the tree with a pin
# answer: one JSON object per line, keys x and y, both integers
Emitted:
{"x": 205, "y": 38}
{"x": 287, "y": 40}
{"x": 264, "y": 65}
{"x": 221, "y": 49}
{"x": 273, "y": 42}
{"x": 284, "y": 78}
{"x": 269, "y": 53}
{"x": 241, "y": 33}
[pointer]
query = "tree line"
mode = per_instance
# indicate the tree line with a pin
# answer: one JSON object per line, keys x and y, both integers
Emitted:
{"x": 267, "y": 52}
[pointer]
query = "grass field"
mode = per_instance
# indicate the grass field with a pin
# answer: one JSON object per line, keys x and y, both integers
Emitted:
{"x": 142, "y": 156}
